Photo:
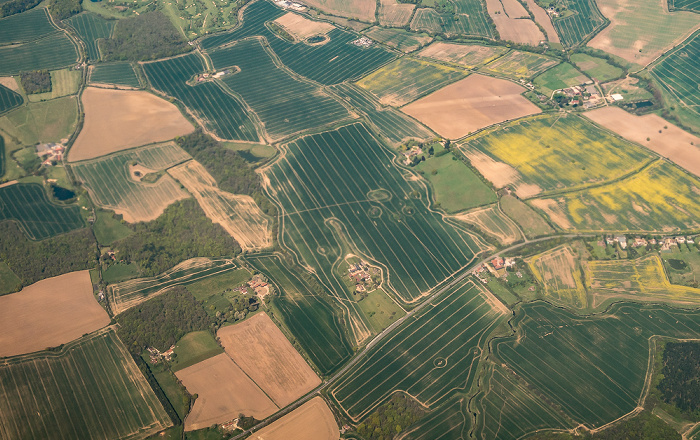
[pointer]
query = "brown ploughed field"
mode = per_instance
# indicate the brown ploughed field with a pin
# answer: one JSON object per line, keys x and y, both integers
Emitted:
{"x": 311, "y": 421}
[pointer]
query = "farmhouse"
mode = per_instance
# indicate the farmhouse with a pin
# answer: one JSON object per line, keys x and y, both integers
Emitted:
{"x": 50, "y": 153}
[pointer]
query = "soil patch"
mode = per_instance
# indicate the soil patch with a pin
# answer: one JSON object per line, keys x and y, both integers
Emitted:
{"x": 554, "y": 211}
{"x": 10, "y": 83}
{"x": 313, "y": 420}
{"x": 543, "y": 19}
{"x": 510, "y": 25}
{"x": 301, "y": 27}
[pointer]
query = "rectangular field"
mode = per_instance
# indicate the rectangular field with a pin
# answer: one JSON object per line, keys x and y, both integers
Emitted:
{"x": 583, "y": 22}
{"x": 471, "y": 18}
{"x": 64, "y": 82}
{"x": 394, "y": 14}
{"x": 558, "y": 271}
{"x": 53, "y": 51}
{"x": 120, "y": 74}
{"x": 559, "y": 77}
{"x": 513, "y": 23}
{"x": 400, "y": 39}
{"x": 27, "y": 26}
{"x": 428, "y": 356}
{"x": 597, "y": 68}
{"x": 92, "y": 28}
{"x": 467, "y": 55}
{"x": 521, "y": 64}
{"x": 67, "y": 394}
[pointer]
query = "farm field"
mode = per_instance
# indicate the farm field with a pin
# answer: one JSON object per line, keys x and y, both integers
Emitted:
{"x": 575, "y": 362}
{"x": 551, "y": 153}
{"x": 49, "y": 313}
{"x": 53, "y": 51}
{"x": 666, "y": 139}
{"x": 108, "y": 229}
{"x": 215, "y": 109}
{"x": 398, "y": 38}
{"x": 513, "y": 23}
{"x": 123, "y": 296}
{"x": 407, "y": 79}
{"x": 427, "y": 356}
{"x": 684, "y": 5}
{"x": 310, "y": 318}
{"x": 543, "y": 19}
{"x": 48, "y": 121}
{"x": 91, "y": 28}
{"x": 204, "y": 288}
{"x": 331, "y": 63}
{"x": 493, "y": 222}
{"x": 389, "y": 122}
{"x": 64, "y": 82}
{"x": 119, "y": 74}
{"x": 471, "y": 18}
{"x": 301, "y": 28}
{"x": 639, "y": 33}
{"x": 39, "y": 218}
{"x": 9, "y": 282}
{"x": 381, "y": 311}
{"x": 194, "y": 348}
{"x": 470, "y": 104}
{"x": 531, "y": 223}
{"x": 467, "y": 55}
{"x": 67, "y": 393}
{"x": 558, "y": 271}
{"x": 9, "y": 99}
{"x": 637, "y": 203}
{"x": 112, "y": 183}
{"x": 223, "y": 393}
{"x": 362, "y": 10}
{"x": 559, "y": 77}
{"x": 312, "y": 420}
{"x": 455, "y": 187}
{"x": 394, "y": 14}
{"x": 284, "y": 104}
{"x": 597, "y": 68}
{"x": 27, "y": 26}
{"x": 630, "y": 89}
{"x": 448, "y": 422}
{"x": 239, "y": 215}
{"x": 520, "y": 64}
{"x": 581, "y": 25}
{"x": 269, "y": 359}
{"x": 117, "y": 120}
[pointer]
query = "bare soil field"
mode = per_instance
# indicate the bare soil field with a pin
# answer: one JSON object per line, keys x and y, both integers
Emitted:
{"x": 238, "y": 214}
{"x": 117, "y": 120}
{"x": 395, "y": 14}
{"x": 475, "y": 102}
{"x": 301, "y": 27}
{"x": 501, "y": 174}
{"x": 223, "y": 392}
{"x": 666, "y": 139}
{"x": 269, "y": 359}
{"x": 467, "y": 55}
{"x": 10, "y": 83}
{"x": 313, "y": 420}
{"x": 49, "y": 313}
{"x": 543, "y": 19}
{"x": 509, "y": 24}
{"x": 360, "y": 9}
{"x": 555, "y": 210}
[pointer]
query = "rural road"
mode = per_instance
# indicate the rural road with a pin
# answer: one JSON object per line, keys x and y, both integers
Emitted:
{"x": 460, "y": 275}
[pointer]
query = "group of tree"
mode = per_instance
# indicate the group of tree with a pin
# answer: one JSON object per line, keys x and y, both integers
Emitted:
{"x": 62, "y": 9}
{"x": 36, "y": 81}
{"x": 144, "y": 37}
{"x": 13, "y": 7}
{"x": 644, "y": 426}
{"x": 390, "y": 419}
{"x": 680, "y": 385}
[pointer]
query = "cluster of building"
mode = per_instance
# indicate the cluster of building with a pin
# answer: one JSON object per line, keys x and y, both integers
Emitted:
{"x": 665, "y": 242}
{"x": 50, "y": 153}
{"x": 496, "y": 267}
{"x": 286, "y": 4}
{"x": 258, "y": 284}
{"x": 361, "y": 274}
{"x": 215, "y": 75}
{"x": 362, "y": 42}
{"x": 586, "y": 95}
{"x": 411, "y": 153}
{"x": 156, "y": 356}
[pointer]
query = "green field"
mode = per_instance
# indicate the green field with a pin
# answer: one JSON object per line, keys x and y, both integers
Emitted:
{"x": 9, "y": 282}
{"x": 91, "y": 28}
{"x": 407, "y": 79}
{"x": 120, "y": 272}
{"x": 592, "y": 368}
{"x": 51, "y": 52}
{"x": 389, "y": 122}
{"x": 284, "y": 104}
{"x": 193, "y": 348}
{"x": 27, "y": 26}
{"x": 455, "y": 186}
{"x": 29, "y": 206}
{"x": 597, "y": 68}
{"x": 560, "y": 77}
{"x": 64, "y": 82}
{"x": 557, "y": 152}
{"x": 467, "y": 55}
{"x": 400, "y": 39}
{"x": 207, "y": 287}
{"x": 583, "y": 23}
{"x": 68, "y": 393}
{"x": 685, "y": 5}
{"x": 449, "y": 422}
{"x": 121, "y": 74}
{"x": 531, "y": 223}
{"x": 380, "y": 310}
{"x": 521, "y": 64}
{"x": 48, "y": 121}
{"x": 310, "y": 318}
{"x": 108, "y": 229}
{"x": 682, "y": 264}
{"x": 428, "y": 356}
{"x": 471, "y": 18}
{"x": 490, "y": 220}
{"x": 9, "y": 99}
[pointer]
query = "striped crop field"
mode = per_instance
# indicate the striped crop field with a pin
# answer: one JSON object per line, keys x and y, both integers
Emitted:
{"x": 521, "y": 64}
{"x": 684, "y": 5}
{"x": 401, "y": 39}
{"x": 312, "y": 320}
{"x": 219, "y": 111}
{"x": 471, "y": 18}
{"x": 448, "y": 422}
{"x": 592, "y": 368}
{"x": 52, "y": 52}
{"x": 121, "y": 74}
{"x": 284, "y": 104}
{"x": 112, "y": 185}
{"x": 428, "y": 356}
{"x": 396, "y": 126}
{"x": 91, "y": 28}
{"x": 9, "y": 99}
{"x": 91, "y": 388}
{"x": 584, "y": 22}
{"x": 27, "y": 26}
{"x": 127, "y": 294}
{"x": 29, "y": 206}
{"x": 330, "y": 63}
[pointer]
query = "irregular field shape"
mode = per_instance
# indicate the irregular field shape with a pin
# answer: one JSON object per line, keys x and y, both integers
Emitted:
{"x": 330, "y": 63}
{"x": 687, "y": 5}
{"x": 557, "y": 270}
{"x": 67, "y": 394}
{"x": 29, "y": 206}
{"x": 399, "y": 38}
{"x": 301, "y": 27}
{"x": 92, "y": 27}
{"x": 543, "y": 19}
{"x": 585, "y": 21}
{"x": 110, "y": 184}
{"x": 521, "y": 64}
{"x": 475, "y": 102}
{"x": 511, "y": 25}
{"x": 492, "y": 221}
{"x": 393, "y": 13}
{"x": 117, "y": 120}
{"x": 121, "y": 74}
{"x": 53, "y": 51}
{"x": 360, "y": 9}
{"x": 471, "y": 19}
{"x": 127, "y": 294}
{"x": 313, "y": 420}
{"x": 239, "y": 215}
{"x": 223, "y": 392}
{"x": 674, "y": 143}
{"x": 575, "y": 362}
{"x": 308, "y": 316}
{"x": 467, "y": 55}
{"x": 269, "y": 359}
{"x": 445, "y": 423}
{"x": 559, "y": 77}
{"x": 645, "y": 26}
{"x": 47, "y": 121}
{"x": 285, "y": 104}
{"x": 64, "y": 82}
{"x": 407, "y": 79}
{"x": 453, "y": 330}
{"x": 27, "y": 26}
{"x": 216, "y": 110}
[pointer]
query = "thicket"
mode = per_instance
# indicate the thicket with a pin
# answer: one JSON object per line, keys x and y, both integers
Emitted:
{"x": 393, "y": 417}
{"x": 36, "y": 81}
{"x": 180, "y": 233}
{"x": 17, "y": 6}
{"x": 680, "y": 385}
{"x": 160, "y": 322}
{"x": 62, "y": 9}
{"x": 33, "y": 261}
{"x": 645, "y": 426}
{"x": 144, "y": 37}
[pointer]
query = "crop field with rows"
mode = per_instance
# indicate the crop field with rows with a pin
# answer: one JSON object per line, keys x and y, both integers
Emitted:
{"x": 585, "y": 21}
{"x": 121, "y": 74}
{"x": 91, "y": 28}
{"x": 471, "y": 18}
{"x": 9, "y": 99}
{"x": 27, "y": 26}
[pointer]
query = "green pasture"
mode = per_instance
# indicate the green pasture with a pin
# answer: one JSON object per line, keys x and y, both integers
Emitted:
{"x": 48, "y": 121}
{"x": 9, "y": 99}
{"x": 682, "y": 264}
{"x": 176, "y": 394}
{"x": 581, "y": 24}
{"x": 455, "y": 186}
{"x": 193, "y": 348}
{"x": 121, "y": 74}
{"x": 207, "y": 287}
{"x": 51, "y": 52}
{"x": 120, "y": 272}
{"x": 91, "y": 28}
{"x": 467, "y": 55}
{"x": 471, "y": 19}
{"x": 284, "y": 104}
{"x": 64, "y": 82}
{"x": 520, "y": 64}
{"x": 428, "y": 356}
{"x": 108, "y": 229}
{"x": 531, "y": 223}
{"x": 66, "y": 393}
{"x": 380, "y": 310}
{"x": 9, "y": 282}
{"x": 399, "y": 38}
{"x": 560, "y": 77}
{"x": 597, "y": 68}
{"x": 27, "y": 26}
